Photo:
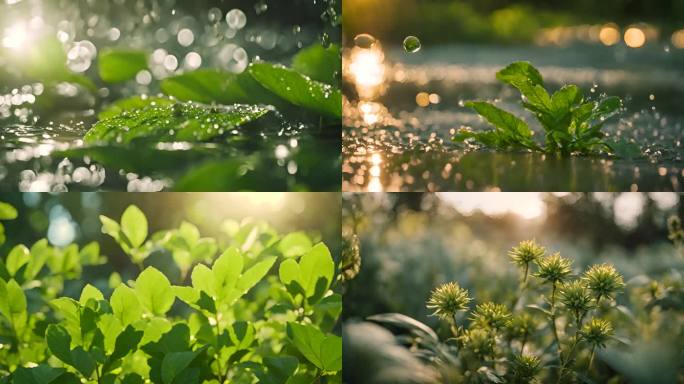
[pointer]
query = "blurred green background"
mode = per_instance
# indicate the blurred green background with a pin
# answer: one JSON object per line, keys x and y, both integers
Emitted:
{"x": 449, "y": 21}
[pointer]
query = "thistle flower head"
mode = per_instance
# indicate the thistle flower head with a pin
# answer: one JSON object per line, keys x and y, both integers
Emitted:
{"x": 575, "y": 296}
{"x": 491, "y": 315}
{"x": 596, "y": 332}
{"x": 603, "y": 280}
{"x": 351, "y": 257}
{"x": 526, "y": 252}
{"x": 480, "y": 341}
{"x": 447, "y": 299}
{"x": 553, "y": 268}
{"x": 519, "y": 326}
{"x": 676, "y": 233}
{"x": 525, "y": 367}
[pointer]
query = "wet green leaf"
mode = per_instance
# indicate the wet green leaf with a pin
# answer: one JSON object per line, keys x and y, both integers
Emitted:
{"x": 215, "y": 86}
{"x": 178, "y": 122}
{"x": 319, "y": 63}
{"x": 299, "y": 89}
{"x": 132, "y": 103}
{"x": 120, "y": 65}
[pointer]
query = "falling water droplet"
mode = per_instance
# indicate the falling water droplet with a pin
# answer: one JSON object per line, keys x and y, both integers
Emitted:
{"x": 364, "y": 40}
{"x": 411, "y": 44}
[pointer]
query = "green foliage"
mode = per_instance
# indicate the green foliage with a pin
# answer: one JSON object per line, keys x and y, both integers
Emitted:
{"x": 235, "y": 321}
{"x": 116, "y": 66}
{"x": 571, "y": 123}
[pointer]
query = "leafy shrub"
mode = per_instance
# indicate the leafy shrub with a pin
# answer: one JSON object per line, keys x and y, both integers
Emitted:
{"x": 229, "y": 319}
{"x": 572, "y": 124}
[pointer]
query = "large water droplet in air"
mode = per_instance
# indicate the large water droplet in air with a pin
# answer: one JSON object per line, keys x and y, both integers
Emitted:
{"x": 411, "y": 44}
{"x": 364, "y": 40}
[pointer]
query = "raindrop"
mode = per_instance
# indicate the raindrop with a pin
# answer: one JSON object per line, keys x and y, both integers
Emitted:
{"x": 411, "y": 44}
{"x": 364, "y": 40}
{"x": 215, "y": 15}
{"x": 325, "y": 40}
{"x": 186, "y": 37}
{"x": 236, "y": 19}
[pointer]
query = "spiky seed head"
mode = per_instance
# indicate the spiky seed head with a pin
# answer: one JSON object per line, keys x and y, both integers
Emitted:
{"x": 526, "y": 252}
{"x": 351, "y": 257}
{"x": 554, "y": 268}
{"x": 447, "y": 299}
{"x": 525, "y": 367}
{"x": 519, "y": 326}
{"x": 575, "y": 296}
{"x": 603, "y": 280}
{"x": 480, "y": 341}
{"x": 674, "y": 223}
{"x": 491, "y": 315}
{"x": 676, "y": 233}
{"x": 597, "y": 332}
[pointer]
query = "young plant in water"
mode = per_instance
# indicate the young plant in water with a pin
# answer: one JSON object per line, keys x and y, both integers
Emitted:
{"x": 572, "y": 124}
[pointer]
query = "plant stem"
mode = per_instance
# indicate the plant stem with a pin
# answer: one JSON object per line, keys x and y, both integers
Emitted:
{"x": 553, "y": 321}
{"x": 591, "y": 358}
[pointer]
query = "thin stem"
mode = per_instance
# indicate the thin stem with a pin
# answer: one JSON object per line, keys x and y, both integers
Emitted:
{"x": 221, "y": 374}
{"x": 591, "y": 358}
{"x": 553, "y": 320}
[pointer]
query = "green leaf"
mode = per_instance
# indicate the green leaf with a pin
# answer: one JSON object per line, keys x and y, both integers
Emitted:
{"x": 126, "y": 342}
{"x": 43, "y": 374}
{"x": 520, "y": 72}
{"x": 59, "y": 342}
{"x": 320, "y": 64}
{"x": 325, "y": 352}
{"x": 120, "y": 65}
{"x": 176, "y": 362}
{"x": 82, "y": 361}
{"x": 13, "y": 304}
{"x": 295, "y": 244}
{"x": 170, "y": 123}
{"x": 299, "y": 89}
{"x": 125, "y": 305}
{"x": 7, "y": 212}
{"x": 90, "y": 254}
{"x": 511, "y": 131}
{"x": 110, "y": 227}
{"x": 134, "y": 225}
{"x": 90, "y": 292}
{"x": 241, "y": 334}
{"x": 204, "y": 279}
{"x": 253, "y": 275}
{"x": 316, "y": 264}
{"x": 565, "y": 99}
{"x": 17, "y": 258}
{"x": 213, "y": 86}
{"x": 227, "y": 269}
{"x": 154, "y": 291}
{"x": 132, "y": 103}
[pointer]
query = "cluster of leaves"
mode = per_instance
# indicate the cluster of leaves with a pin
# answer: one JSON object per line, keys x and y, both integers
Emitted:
{"x": 228, "y": 318}
{"x": 310, "y": 85}
{"x": 550, "y": 333}
{"x": 571, "y": 123}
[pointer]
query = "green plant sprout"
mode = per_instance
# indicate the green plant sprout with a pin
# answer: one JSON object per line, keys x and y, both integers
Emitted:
{"x": 251, "y": 305}
{"x": 571, "y": 123}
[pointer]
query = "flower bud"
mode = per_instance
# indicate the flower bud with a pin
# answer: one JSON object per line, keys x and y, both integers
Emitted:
{"x": 447, "y": 299}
